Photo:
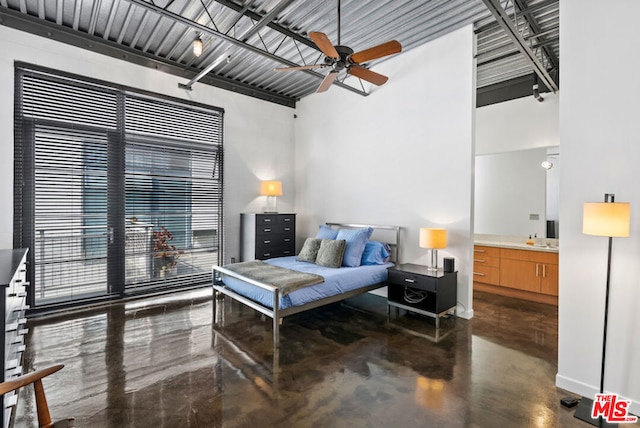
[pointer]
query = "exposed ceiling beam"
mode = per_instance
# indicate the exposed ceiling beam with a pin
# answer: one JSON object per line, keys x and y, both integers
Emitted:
{"x": 50, "y": 30}
{"x": 529, "y": 9}
{"x": 279, "y": 28}
{"x": 266, "y": 19}
{"x": 505, "y": 22}
{"x": 240, "y": 43}
{"x": 253, "y": 30}
{"x": 535, "y": 29}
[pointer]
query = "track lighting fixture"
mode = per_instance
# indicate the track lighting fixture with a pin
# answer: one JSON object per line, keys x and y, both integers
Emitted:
{"x": 536, "y": 93}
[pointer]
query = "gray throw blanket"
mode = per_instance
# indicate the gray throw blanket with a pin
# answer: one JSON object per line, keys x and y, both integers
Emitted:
{"x": 286, "y": 280}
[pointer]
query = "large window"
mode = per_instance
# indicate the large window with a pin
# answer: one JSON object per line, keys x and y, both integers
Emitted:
{"x": 117, "y": 192}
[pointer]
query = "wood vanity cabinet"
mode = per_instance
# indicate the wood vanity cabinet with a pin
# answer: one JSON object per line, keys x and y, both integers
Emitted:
{"x": 534, "y": 271}
{"x": 525, "y": 274}
{"x": 486, "y": 264}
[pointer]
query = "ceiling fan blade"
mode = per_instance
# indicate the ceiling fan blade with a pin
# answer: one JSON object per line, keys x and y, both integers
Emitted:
{"x": 301, "y": 67}
{"x": 389, "y": 48}
{"x": 327, "y": 81}
{"x": 322, "y": 41}
{"x": 368, "y": 75}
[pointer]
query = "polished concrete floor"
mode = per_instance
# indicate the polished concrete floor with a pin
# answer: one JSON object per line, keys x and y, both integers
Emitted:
{"x": 160, "y": 363}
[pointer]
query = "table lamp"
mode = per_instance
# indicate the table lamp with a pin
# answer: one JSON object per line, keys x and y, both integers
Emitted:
{"x": 271, "y": 189}
{"x": 433, "y": 239}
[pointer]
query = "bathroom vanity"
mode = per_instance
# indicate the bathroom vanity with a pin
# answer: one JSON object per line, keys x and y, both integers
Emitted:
{"x": 509, "y": 267}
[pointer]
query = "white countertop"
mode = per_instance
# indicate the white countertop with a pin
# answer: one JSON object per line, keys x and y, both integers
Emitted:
{"x": 517, "y": 243}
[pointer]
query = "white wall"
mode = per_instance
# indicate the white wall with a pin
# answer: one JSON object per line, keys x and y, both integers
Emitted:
{"x": 509, "y": 187}
{"x": 403, "y": 155}
{"x": 518, "y": 124}
{"x": 258, "y": 136}
{"x": 600, "y": 133}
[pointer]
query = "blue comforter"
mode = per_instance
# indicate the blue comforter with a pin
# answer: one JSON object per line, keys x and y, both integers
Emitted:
{"x": 336, "y": 281}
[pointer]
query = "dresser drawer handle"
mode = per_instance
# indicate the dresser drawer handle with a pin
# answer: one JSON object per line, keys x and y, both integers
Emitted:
{"x": 479, "y": 260}
{"x": 267, "y": 241}
{"x": 287, "y": 219}
{"x": 410, "y": 281}
{"x": 287, "y": 239}
{"x": 287, "y": 229}
{"x": 480, "y": 274}
{"x": 266, "y": 230}
{"x": 266, "y": 254}
{"x": 267, "y": 220}
{"x": 480, "y": 251}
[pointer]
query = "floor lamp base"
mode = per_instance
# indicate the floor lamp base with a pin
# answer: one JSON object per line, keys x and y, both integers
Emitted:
{"x": 583, "y": 412}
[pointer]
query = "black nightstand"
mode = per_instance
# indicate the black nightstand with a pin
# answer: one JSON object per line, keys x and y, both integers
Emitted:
{"x": 414, "y": 288}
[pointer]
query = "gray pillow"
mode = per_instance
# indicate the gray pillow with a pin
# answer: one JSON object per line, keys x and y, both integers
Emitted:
{"x": 309, "y": 250}
{"x": 331, "y": 252}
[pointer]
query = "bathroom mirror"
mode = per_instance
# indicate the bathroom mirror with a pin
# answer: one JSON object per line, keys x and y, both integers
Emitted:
{"x": 516, "y": 195}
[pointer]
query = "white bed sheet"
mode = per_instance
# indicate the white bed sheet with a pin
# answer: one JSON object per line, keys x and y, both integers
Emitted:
{"x": 336, "y": 281}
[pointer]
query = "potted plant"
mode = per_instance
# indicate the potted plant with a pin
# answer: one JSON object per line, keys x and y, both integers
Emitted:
{"x": 165, "y": 254}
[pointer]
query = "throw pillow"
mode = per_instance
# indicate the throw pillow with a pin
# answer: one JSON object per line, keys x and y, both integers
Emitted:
{"x": 325, "y": 232}
{"x": 330, "y": 253}
{"x": 356, "y": 240}
{"x": 375, "y": 253}
{"x": 309, "y": 251}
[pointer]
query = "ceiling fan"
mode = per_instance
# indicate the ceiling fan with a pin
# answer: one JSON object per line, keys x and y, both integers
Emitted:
{"x": 340, "y": 58}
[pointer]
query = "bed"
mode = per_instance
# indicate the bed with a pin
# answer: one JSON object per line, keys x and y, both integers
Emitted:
{"x": 337, "y": 284}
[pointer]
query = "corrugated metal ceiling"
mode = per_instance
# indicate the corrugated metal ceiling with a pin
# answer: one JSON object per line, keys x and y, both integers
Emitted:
{"x": 248, "y": 39}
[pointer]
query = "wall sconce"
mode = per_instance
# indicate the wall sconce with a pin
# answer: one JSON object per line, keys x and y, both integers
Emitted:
{"x": 197, "y": 46}
{"x": 433, "y": 239}
{"x": 271, "y": 189}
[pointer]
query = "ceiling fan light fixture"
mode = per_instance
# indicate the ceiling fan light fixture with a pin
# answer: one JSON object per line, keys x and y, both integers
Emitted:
{"x": 197, "y": 46}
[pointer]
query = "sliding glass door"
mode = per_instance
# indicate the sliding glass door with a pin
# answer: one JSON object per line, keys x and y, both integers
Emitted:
{"x": 117, "y": 193}
{"x": 70, "y": 212}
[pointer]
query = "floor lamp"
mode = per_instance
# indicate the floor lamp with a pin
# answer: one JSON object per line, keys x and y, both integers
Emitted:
{"x": 610, "y": 219}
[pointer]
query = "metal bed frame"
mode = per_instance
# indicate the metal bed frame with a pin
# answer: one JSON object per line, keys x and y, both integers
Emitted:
{"x": 277, "y": 314}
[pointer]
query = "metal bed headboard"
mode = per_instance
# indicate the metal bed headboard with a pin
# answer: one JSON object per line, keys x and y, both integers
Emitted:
{"x": 394, "y": 232}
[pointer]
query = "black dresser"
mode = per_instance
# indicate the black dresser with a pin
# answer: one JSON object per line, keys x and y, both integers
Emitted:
{"x": 264, "y": 236}
{"x": 13, "y": 275}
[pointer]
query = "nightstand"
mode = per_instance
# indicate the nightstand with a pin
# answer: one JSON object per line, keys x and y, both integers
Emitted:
{"x": 414, "y": 288}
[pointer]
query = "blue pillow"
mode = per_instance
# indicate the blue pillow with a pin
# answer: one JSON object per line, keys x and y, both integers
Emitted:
{"x": 325, "y": 232}
{"x": 375, "y": 253}
{"x": 356, "y": 240}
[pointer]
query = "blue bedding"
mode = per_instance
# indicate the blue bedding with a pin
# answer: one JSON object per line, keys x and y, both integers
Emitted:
{"x": 336, "y": 281}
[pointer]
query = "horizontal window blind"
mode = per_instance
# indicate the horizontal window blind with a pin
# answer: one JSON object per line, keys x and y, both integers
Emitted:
{"x": 117, "y": 192}
{"x": 173, "y": 186}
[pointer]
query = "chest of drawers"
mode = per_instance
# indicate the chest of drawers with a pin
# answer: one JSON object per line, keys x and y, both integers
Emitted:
{"x": 264, "y": 236}
{"x": 13, "y": 274}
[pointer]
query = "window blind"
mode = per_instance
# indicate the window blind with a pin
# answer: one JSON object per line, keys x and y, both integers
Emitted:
{"x": 117, "y": 191}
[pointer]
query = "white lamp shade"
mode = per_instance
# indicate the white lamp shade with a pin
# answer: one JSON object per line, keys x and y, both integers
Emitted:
{"x": 271, "y": 188}
{"x": 431, "y": 237}
{"x": 606, "y": 219}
